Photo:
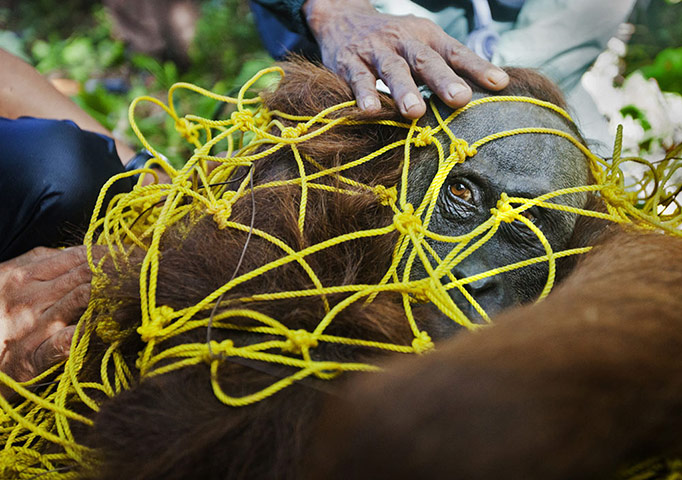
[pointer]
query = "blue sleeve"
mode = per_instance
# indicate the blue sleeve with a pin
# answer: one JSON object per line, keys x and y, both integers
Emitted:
{"x": 51, "y": 173}
{"x": 278, "y": 38}
{"x": 289, "y": 13}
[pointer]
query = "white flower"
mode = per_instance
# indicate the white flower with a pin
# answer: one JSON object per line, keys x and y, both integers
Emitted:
{"x": 655, "y": 117}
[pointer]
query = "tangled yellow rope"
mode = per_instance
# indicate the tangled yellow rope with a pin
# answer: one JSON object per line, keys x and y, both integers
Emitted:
{"x": 37, "y": 431}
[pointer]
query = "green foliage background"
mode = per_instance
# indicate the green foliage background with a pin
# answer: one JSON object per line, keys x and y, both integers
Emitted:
{"x": 656, "y": 45}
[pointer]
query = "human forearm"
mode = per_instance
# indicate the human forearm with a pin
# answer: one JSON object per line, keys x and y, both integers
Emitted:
{"x": 24, "y": 92}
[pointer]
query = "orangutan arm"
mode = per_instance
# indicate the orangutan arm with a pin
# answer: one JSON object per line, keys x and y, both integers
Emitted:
{"x": 574, "y": 387}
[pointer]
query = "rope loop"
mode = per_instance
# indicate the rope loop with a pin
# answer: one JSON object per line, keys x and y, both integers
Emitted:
{"x": 420, "y": 295}
{"x": 406, "y": 221}
{"x": 264, "y": 116}
{"x": 422, "y": 343}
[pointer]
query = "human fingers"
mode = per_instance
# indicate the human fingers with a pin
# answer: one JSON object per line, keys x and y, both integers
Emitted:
{"x": 53, "y": 350}
{"x": 32, "y": 256}
{"x": 54, "y": 290}
{"x": 38, "y": 290}
{"x": 395, "y": 72}
{"x": 361, "y": 80}
{"x": 50, "y": 267}
{"x": 429, "y": 65}
{"x": 68, "y": 308}
{"x": 466, "y": 62}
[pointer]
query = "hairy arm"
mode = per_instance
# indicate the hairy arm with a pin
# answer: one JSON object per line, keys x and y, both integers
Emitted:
{"x": 24, "y": 92}
{"x": 574, "y": 387}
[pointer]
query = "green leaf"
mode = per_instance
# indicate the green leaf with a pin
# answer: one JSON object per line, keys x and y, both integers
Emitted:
{"x": 40, "y": 50}
{"x": 666, "y": 69}
{"x": 78, "y": 51}
{"x": 637, "y": 114}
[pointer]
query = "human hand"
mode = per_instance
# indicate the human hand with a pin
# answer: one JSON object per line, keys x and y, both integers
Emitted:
{"x": 361, "y": 45}
{"x": 41, "y": 293}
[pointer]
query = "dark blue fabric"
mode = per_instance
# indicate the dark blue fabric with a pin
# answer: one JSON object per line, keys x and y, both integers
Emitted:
{"x": 288, "y": 13}
{"x": 278, "y": 39}
{"x": 51, "y": 173}
{"x": 501, "y": 10}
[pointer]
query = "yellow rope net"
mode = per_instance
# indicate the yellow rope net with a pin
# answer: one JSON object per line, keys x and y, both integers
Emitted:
{"x": 37, "y": 430}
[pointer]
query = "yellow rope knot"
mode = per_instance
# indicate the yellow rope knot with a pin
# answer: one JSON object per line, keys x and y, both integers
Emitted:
{"x": 615, "y": 195}
{"x": 221, "y": 211}
{"x": 406, "y": 221}
{"x": 461, "y": 149}
{"x": 387, "y": 196}
{"x": 188, "y": 130}
{"x": 243, "y": 120}
{"x": 217, "y": 350}
{"x": 504, "y": 211}
{"x": 295, "y": 132}
{"x": 300, "y": 341}
{"x": 264, "y": 116}
{"x": 424, "y": 137}
{"x": 422, "y": 343}
{"x": 160, "y": 317}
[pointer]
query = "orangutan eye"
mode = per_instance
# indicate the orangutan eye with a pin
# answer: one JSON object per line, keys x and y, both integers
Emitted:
{"x": 528, "y": 215}
{"x": 458, "y": 189}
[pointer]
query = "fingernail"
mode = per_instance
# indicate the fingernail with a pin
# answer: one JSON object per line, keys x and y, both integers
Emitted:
{"x": 457, "y": 91}
{"x": 497, "y": 76}
{"x": 370, "y": 104}
{"x": 410, "y": 100}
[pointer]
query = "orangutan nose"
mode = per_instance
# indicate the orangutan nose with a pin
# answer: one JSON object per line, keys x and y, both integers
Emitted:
{"x": 488, "y": 292}
{"x": 484, "y": 286}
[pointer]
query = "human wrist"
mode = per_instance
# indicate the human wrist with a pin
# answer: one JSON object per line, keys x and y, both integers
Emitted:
{"x": 317, "y": 13}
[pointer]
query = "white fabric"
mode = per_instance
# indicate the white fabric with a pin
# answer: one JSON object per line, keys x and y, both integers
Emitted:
{"x": 560, "y": 38}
